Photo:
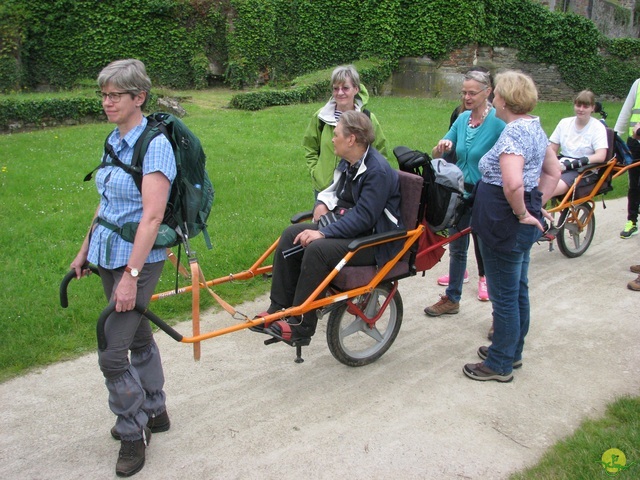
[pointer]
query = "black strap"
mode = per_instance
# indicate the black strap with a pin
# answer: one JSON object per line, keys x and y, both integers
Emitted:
{"x": 139, "y": 151}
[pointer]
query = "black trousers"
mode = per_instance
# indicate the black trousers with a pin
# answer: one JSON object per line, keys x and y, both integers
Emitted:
{"x": 296, "y": 277}
{"x": 633, "y": 195}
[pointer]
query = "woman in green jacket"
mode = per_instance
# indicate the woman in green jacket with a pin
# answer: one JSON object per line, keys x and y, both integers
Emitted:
{"x": 348, "y": 94}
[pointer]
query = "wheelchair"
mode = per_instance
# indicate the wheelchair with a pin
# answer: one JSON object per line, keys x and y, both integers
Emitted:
{"x": 363, "y": 303}
{"x": 576, "y": 223}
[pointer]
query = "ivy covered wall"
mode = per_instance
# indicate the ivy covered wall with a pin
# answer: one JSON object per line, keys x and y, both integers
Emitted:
{"x": 57, "y": 42}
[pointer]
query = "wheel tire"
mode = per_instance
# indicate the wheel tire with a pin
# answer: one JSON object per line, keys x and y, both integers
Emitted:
{"x": 572, "y": 242}
{"x": 352, "y": 341}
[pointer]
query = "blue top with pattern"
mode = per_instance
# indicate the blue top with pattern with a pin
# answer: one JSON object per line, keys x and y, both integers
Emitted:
{"x": 523, "y": 137}
{"x": 120, "y": 199}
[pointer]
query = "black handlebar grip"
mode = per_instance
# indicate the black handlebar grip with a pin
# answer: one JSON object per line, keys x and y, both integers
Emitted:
{"x": 109, "y": 309}
{"x": 64, "y": 299}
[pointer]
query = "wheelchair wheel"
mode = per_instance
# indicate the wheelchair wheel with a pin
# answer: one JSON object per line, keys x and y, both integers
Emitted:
{"x": 354, "y": 342}
{"x": 575, "y": 237}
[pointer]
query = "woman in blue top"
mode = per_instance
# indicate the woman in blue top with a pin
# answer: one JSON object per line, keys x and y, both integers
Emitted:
{"x": 130, "y": 271}
{"x": 473, "y": 133}
{"x": 519, "y": 175}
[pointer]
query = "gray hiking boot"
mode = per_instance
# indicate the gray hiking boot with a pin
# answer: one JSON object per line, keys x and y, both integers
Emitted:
{"x": 131, "y": 455}
{"x": 482, "y": 373}
{"x": 157, "y": 424}
{"x": 483, "y": 353}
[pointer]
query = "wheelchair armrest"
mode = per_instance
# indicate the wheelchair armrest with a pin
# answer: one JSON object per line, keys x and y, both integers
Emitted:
{"x": 376, "y": 238}
{"x": 302, "y": 216}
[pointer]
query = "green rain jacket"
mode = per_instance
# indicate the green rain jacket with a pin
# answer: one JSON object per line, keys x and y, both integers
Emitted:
{"x": 321, "y": 161}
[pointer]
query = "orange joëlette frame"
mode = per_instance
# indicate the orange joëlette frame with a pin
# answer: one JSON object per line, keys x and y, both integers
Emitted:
{"x": 198, "y": 281}
{"x": 612, "y": 167}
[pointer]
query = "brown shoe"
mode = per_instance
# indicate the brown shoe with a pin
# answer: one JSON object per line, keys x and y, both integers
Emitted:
{"x": 634, "y": 284}
{"x": 444, "y": 305}
{"x": 635, "y": 269}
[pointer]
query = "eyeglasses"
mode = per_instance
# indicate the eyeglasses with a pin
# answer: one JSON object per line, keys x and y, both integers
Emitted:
{"x": 344, "y": 89}
{"x": 114, "y": 97}
{"x": 471, "y": 94}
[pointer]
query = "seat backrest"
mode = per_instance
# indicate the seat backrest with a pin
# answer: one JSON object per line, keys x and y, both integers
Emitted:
{"x": 611, "y": 142}
{"x": 410, "y": 193}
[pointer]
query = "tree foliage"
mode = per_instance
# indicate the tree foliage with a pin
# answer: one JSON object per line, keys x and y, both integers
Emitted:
{"x": 60, "y": 41}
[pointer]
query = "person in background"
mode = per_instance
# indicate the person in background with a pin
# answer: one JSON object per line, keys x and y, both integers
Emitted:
{"x": 580, "y": 140}
{"x": 450, "y": 156}
{"x": 130, "y": 271}
{"x": 472, "y": 134}
{"x": 628, "y": 124}
{"x": 367, "y": 190}
{"x": 519, "y": 174}
{"x": 348, "y": 94}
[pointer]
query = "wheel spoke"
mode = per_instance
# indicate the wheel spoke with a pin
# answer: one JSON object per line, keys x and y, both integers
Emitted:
{"x": 374, "y": 333}
{"x": 354, "y": 327}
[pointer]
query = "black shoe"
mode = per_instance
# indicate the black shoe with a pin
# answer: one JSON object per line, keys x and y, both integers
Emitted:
{"x": 131, "y": 455}
{"x": 157, "y": 424}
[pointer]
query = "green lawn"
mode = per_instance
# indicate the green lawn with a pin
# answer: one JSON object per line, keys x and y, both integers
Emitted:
{"x": 257, "y": 166}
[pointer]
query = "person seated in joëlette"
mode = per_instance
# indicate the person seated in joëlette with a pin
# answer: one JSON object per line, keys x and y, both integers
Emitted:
{"x": 366, "y": 191}
{"x": 579, "y": 141}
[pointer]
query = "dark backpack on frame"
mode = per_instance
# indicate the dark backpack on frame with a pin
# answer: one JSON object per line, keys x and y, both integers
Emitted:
{"x": 443, "y": 195}
{"x": 192, "y": 193}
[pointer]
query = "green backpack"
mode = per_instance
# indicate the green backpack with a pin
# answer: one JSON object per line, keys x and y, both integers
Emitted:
{"x": 192, "y": 193}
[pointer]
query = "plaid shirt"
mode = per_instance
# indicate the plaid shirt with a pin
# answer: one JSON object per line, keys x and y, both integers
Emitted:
{"x": 120, "y": 200}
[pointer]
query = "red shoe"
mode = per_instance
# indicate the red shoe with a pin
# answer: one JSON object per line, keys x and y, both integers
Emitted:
{"x": 260, "y": 328}
{"x": 290, "y": 334}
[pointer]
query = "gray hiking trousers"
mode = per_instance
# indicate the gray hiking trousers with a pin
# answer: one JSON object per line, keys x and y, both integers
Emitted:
{"x": 136, "y": 387}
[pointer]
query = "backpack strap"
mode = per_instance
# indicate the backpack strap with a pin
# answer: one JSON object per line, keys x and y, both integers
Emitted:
{"x": 110, "y": 157}
{"x": 152, "y": 130}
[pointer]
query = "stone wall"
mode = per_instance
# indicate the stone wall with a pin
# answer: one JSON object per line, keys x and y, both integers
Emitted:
{"x": 423, "y": 77}
{"x": 614, "y": 18}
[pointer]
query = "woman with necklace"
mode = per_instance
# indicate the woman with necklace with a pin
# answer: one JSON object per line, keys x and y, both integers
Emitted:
{"x": 472, "y": 134}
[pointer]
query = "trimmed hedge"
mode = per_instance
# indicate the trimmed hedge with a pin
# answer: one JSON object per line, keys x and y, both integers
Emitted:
{"x": 314, "y": 87}
{"x": 37, "y": 112}
{"x": 19, "y": 113}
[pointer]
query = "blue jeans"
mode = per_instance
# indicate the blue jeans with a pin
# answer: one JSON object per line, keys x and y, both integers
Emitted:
{"x": 508, "y": 285}
{"x": 457, "y": 265}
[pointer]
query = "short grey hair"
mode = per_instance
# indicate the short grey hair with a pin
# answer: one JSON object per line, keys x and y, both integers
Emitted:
{"x": 129, "y": 75}
{"x": 344, "y": 73}
{"x": 479, "y": 76}
{"x": 358, "y": 124}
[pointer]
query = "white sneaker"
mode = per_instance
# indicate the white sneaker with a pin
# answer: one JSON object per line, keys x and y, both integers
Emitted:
{"x": 444, "y": 280}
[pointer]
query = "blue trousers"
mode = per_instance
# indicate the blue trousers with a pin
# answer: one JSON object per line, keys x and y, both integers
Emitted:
{"x": 508, "y": 285}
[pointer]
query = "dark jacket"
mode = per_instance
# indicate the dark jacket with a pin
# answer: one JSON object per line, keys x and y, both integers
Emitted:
{"x": 376, "y": 193}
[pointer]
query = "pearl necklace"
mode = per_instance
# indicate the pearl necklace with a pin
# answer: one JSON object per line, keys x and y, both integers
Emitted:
{"x": 484, "y": 115}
